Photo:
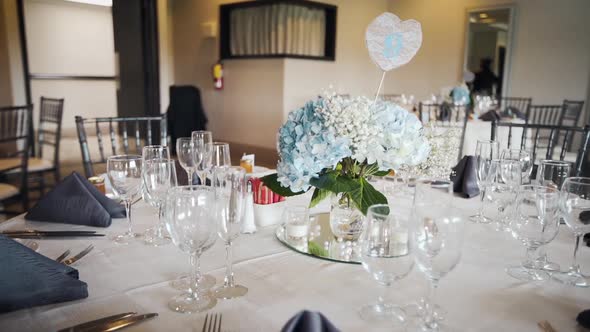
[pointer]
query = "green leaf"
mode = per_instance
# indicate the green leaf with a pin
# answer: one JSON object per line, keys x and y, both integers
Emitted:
{"x": 316, "y": 250}
{"x": 366, "y": 196}
{"x": 274, "y": 185}
{"x": 335, "y": 183}
{"x": 318, "y": 196}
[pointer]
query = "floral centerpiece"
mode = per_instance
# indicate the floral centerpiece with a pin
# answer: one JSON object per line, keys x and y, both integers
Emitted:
{"x": 333, "y": 144}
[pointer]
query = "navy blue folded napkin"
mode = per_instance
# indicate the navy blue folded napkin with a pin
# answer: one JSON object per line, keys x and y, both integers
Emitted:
{"x": 29, "y": 279}
{"x": 309, "y": 321}
{"x": 76, "y": 201}
{"x": 464, "y": 177}
{"x": 584, "y": 318}
{"x": 490, "y": 115}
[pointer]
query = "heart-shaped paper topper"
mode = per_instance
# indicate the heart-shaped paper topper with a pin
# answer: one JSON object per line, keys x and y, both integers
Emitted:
{"x": 392, "y": 42}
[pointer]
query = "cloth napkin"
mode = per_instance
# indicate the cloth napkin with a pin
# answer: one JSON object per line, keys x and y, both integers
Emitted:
{"x": 30, "y": 279}
{"x": 76, "y": 201}
{"x": 584, "y": 318}
{"x": 464, "y": 177}
{"x": 309, "y": 321}
{"x": 490, "y": 115}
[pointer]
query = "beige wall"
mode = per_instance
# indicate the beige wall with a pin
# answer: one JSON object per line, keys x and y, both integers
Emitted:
{"x": 55, "y": 48}
{"x": 15, "y": 72}
{"x": 550, "y": 55}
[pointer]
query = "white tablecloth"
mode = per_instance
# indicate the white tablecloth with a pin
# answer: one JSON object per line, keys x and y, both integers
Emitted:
{"x": 478, "y": 295}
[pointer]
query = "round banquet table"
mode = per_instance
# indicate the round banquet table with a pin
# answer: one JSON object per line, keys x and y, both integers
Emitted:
{"x": 478, "y": 295}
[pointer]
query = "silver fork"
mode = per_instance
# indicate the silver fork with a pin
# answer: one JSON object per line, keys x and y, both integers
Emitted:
{"x": 81, "y": 254}
{"x": 212, "y": 324}
{"x": 63, "y": 256}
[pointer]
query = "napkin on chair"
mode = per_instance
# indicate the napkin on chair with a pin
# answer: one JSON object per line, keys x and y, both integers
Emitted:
{"x": 309, "y": 321}
{"x": 76, "y": 201}
{"x": 584, "y": 318}
{"x": 490, "y": 115}
{"x": 464, "y": 177}
{"x": 30, "y": 279}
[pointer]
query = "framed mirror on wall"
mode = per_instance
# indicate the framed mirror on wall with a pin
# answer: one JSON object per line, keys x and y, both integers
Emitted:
{"x": 488, "y": 49}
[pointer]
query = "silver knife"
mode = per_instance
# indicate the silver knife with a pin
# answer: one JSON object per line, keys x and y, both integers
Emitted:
{"x": 120, "y": 323}
{"x": 99, "y": 321}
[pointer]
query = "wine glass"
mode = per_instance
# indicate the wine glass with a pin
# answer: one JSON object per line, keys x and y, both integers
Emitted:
{"x": 551, "y": 173}
{"x": 203, "y": 149}
{"x": 221, "y": 156}
{"x": 124, "y": 173}
{"x": 524, "y": 157}
{"x": 510, "y": 172}
{"x": 575, "y": 206}
{"x": 500, "y": 199}
{"x": 159, "y": 175}
{"x": 190, "y": 214}
{"x": 437, "y": 239}
{"x": 535, "y": 223}
{"x": 386, "y": 255}
{"x": 185, "y": 151}
{"x": 230, "y": 190}
{"x": 150, "y": 152}
{"x": 485, "y": 152}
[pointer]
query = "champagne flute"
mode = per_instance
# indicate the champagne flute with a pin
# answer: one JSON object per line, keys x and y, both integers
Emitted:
{"x": 485, "y": 152}
{"x": 159, "y": 176}
{"x": 230, "y": 190}
{"x": 535, "y": 223}
{"x": 437, "y": 239}
{"x": 124, "y": 173}
{"x": 185, "y": 151}
{"x": 150, "y": 152}
{"x": 221, "y": 155}
{"x": 190, "y": 219}
{"x": 386, "y": 255}
{"x": 203, "y": 149}
{"x": 575, "y": 206}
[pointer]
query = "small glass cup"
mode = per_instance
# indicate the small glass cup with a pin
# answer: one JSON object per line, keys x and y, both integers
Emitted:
{"x": 296, "y": 220}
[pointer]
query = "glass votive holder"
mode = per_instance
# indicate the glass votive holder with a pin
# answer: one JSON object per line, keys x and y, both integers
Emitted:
{"x": 296, "y": 220}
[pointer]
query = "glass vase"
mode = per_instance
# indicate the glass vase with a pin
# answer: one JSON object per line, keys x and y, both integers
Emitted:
{"x": 346, "y": 220}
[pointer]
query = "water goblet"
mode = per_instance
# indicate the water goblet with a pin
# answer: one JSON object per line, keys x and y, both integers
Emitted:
{"x": 185, "y": 150}
{"x": 437, "y": 239}
{"x": 535, "y": 223}
{"x": 485, "y": 152}
{"x": 203, "y": 150}
{"x": 575, "y": 206}
{"x": 230, "y": 190}
{"x": 124, "y": 173}
{"x": 190, "y": 213}
{"x": 159, "y": 175}
{"x": 510, "y": 172}
{"x": 526, "y": 162}
{"x": 386, "y": 255}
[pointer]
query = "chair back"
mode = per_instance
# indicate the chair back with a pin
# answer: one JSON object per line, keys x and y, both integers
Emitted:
{"x": 15, "y": 128}
{"x": 393, "y": 97}
{"x": 49, "y": 130}
{"x": 540, "y": 146}
{"x": 519, "y": 103}
{"x": 115, "y": 135}
{"x": 446, "y": 115}
{"x": 572, "y": 112}
{"x": 545, "y": 114}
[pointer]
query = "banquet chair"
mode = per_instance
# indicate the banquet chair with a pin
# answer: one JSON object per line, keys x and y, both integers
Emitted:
{"x": 543, "y": 147}
{"x": 48, "y": 137}
{"x": 15, "y": 126}
{"x": 446, "y": 115}
{"x": 145, "y": 130}
{"x": 393, "y": 97}
{"x": 519, "y": 103}
{"x": 545, "y": 114}
{"x": 571, "y": 116}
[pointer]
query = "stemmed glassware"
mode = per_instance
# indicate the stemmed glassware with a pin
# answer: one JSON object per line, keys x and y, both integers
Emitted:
{"x": 124, "y": 173}
{"x": 575, "y": 205}
{"x": 437, "y": 239}
{"x": 151, "y": 152}
{"x": 551, "y": 173}
{"x": 485, "y": 152}
{"x": 535, "y": 223}
{"x": 221, "y": 155}
{"x": 526, "y": 162}
{"x": 185, "y": 151}
{"x": 203, "y": 150}
{"x": 159, "y": 175}
{"x": 230, "y": 190}
{"x": 386, "y": 255}
{"x": 190, "y": 219}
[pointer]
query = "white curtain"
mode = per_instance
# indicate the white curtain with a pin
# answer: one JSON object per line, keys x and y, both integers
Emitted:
{"x": 278, "y": 29}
